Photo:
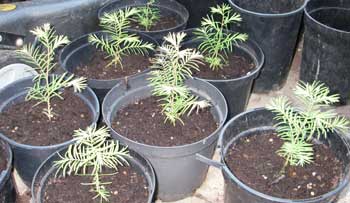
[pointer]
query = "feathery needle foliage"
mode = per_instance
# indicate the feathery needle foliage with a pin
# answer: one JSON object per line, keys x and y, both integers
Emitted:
{"x": 171, "y": 67}
{"x": 216, "y": 41}
{"x": 93, "y": 151}
{"x": 297, "y": 126}
{"x": 42, "y": 59}
{"x": 119, "y": 41}
{"x": 147, "y": 15}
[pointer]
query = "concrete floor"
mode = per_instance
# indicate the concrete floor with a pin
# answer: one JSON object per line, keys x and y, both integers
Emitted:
{"x": 212, "y": 189}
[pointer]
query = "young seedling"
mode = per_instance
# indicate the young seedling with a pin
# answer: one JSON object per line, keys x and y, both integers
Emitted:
{"x": 298, "y": 126}
{"x": 41, "y": 57}
{"x": 92, "y": 153}
{"x": 119, "y": 42}
{"x": 216, "y": 41}
{"x": 171, "y": 67}
{"x": 147, "y": 15}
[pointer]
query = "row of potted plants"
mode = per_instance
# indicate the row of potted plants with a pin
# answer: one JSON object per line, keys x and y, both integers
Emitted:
{"x": 135, "y": 108}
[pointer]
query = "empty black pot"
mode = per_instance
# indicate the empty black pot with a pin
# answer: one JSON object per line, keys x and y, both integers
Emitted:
{"x": 236, "y": 91}
{"x": 47, "y": 170}
{"x": 80, "y": 52}
{"x": 27, "y": 158}
{"x": 178, "y": 172}
{"x": 274, "y": 25}
{"x": 7, "y": 191}
{"x": 260, "y": 120}
{"x": 326, "y": 55}
{"x": 167, "y": 7}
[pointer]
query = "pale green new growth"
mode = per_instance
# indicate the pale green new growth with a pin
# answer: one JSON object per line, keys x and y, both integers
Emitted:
{"x": 93, "y": 151}
{"x": 171, "y": 67}
{"x": 297, "y": 126}
{"x": 119, "y": 41}
{"x": 147, "y": 15}
{"x": 42, "y": 59}
{"x": 216, "y": 41}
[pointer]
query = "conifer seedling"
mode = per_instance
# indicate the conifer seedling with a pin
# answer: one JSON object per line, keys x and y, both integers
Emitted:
{"x": 119, "y": 41}
{"x": 147, "y": 15}
{"x": 215, "y": 40}
{"x": 48, "y": 86}
{"x": 171, "y": 67}
{"x": 298, "y": 125}
{"x": 92, "y": 153}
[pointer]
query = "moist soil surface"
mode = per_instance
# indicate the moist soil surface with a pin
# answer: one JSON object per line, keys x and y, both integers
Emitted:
{"x": 236, "y": 67}
{"x": 27, "y": 124}
{"x": 143, "y": 122}
{"x": 97, "y": 67}
{"x": 128, "y": 186}
{"x": 3, "y": 161}
{"x": 255, "y": 162}
{"x": 166, "y": 21}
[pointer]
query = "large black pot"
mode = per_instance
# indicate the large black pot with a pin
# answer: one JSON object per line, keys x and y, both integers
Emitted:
{"x": 47, "y": 170}
{"x": 7, "y": 191}
{"x": 326, "y": 45}
{"x": 177, "y": 170}
{"x": 236, "y": 91}
{"x": 80, "y": 51}
{"x": 167, "y": 7}
{"x": 27, "y": 158}
{"x": 260, "y": 120}
{"x": 70, "y": 17}
{"x": 274, "y": 25}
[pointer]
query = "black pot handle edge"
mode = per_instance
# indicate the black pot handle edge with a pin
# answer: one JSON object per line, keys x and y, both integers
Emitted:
{"x": 209, "y": 162}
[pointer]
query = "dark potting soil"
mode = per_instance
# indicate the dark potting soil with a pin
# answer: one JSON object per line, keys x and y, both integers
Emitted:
{"x": 3, "y": 161}
{"x": 168, "y": 20}
{"x": 338, "y": 20}
{"x": 128, "y": 186}
{"x": 254, "y": 161}
{"x": 237, "y": 66}
{"x": 270, "y": 6}
{"x": 97, "y": 67}
{"x": 143, "y": 122}
{"x": 26, "y": 124}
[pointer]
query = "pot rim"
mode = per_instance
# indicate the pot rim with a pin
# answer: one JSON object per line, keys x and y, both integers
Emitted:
{"x": 230, "y": 174}
{"x": 5, "y": 174}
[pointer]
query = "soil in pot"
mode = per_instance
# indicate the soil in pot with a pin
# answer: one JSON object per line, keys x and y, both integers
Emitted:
{"x": 128, "y": 186}
{"x": 3, "y": 161}
{"x": 143, "y": 122}
{"x": 168, "y": 19}
{"x": 269, "y": 6}
{"x": 253, "y": 160}
{"x": 97, "y": 68}
{"x": 27, "y": 124}
{"x": 239, "y": 64}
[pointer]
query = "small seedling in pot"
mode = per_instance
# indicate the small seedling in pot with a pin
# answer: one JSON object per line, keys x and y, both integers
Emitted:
{"x": 119, "y": 41}
{"x": 298, "y": 126}
{"x": 215, "y": 40}
{"x": 171, "y": 67}
{"x": 147, "y": 15}
{"x": 93, "y": 152}
{"x": 47, "y": 86}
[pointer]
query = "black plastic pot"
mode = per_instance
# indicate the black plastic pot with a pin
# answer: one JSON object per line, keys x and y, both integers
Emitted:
{"x": 80, "y": 51}
{"x": 47, "y": 170}
{"x": 258, "y": 120}
{"x": 167, "y": 7}
{"x": 7, "y": 191}
{"x": 177, "y": 170}
{"x": 236, "y": 91}
{"x": 198, "y": 9}
{"x": 27, "y": 158}
{"x": 274, "y": 25}
{"x": 326, "y": 45}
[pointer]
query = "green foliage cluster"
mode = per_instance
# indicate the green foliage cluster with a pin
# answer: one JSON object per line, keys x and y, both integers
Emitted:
{"x": 298, "y": 126}
{"x": 171, "y": 67}
{"x": 42, "y": 58}
{"x": 147, "y": 15}
{"x": 119, "y": 41}
{"x": 216, "y": 41}
{"x": 93, "y": 152}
